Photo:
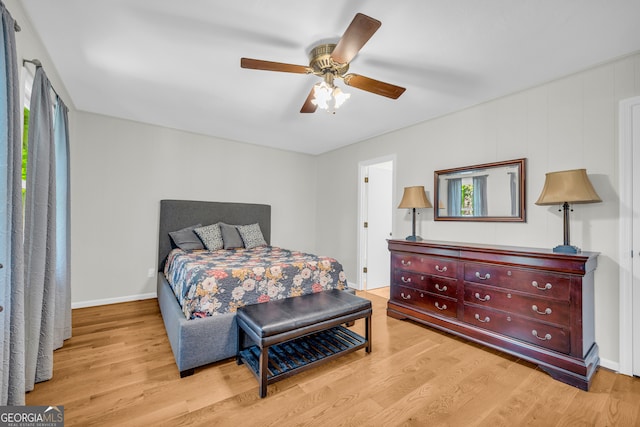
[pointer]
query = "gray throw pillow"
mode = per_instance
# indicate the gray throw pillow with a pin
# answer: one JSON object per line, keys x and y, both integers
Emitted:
{"x": 230, "y": 236}
{"x": 186, "y": 239}
{"x": 211, "y": 236}
{"x": 251, "y": 235}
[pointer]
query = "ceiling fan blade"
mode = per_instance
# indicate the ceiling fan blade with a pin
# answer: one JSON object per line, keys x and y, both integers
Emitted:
{"x": 357, "y": 34}
{"x": 258, "y": 64}
{"x": 374, "y": 86}
{"x": 309, "y": 107}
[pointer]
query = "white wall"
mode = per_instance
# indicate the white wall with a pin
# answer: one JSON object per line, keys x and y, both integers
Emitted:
{"x": 565, "y": 124}
{"x": 120, "y": 170}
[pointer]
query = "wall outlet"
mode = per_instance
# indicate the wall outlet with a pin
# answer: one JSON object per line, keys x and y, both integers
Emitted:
{"x": 151, "y": 272}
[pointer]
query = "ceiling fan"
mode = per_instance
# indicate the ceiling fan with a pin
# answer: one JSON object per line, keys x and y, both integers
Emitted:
{"x": 331, "y": 61}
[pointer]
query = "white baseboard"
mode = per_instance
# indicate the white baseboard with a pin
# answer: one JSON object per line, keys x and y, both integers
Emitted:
{"x": 610, "y": 364}
{"x": 94, "y": 303}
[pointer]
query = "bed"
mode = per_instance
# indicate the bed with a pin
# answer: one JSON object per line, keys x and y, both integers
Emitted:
{"x": 199, "y": 332}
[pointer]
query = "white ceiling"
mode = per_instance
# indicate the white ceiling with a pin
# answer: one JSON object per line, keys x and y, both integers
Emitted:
{"x": 177, "y": 63}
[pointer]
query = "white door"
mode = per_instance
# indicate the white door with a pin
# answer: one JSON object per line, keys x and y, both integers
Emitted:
{"x": 629, "y": 237}
{"x": 636, "y": 241}
{"x": 379, "y": 224}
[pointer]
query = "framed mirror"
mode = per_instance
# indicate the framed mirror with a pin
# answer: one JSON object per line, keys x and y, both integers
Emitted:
{"x": 486, "y": 192}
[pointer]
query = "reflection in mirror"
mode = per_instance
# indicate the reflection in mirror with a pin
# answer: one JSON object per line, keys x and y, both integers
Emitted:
{"x": 487, "y": 192}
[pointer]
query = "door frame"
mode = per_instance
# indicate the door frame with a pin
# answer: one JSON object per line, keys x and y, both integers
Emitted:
{"x": 362, "y": 203}
{"x": 625, "y": 158}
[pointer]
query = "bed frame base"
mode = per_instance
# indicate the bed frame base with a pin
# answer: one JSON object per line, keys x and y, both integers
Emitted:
{"x": 187, "y": 373}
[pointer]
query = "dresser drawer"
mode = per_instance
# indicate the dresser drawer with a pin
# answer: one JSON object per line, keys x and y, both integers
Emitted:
{"x": 425, "y": 264}
{"x": 424, "y": 301}
{"x": 538, "y": 308}
{"x": 524, "y": 329}
{"x": 426, "y": 282}
{"x": 409, "y": 278}
{"x": 529, "y": 281}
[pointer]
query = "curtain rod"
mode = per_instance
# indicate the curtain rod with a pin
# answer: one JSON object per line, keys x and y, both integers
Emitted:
{"x": 34, "y": 61}
{"x": 37, "y": 63}
{"x": 16, "y": 27}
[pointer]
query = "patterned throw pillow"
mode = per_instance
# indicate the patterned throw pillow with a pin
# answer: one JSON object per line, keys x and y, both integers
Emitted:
{"x": 251, "y": 235}
{"x": 211, "y": 236}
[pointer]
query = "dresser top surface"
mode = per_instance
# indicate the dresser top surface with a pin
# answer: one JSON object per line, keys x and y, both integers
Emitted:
{"x": 492, "y": 248}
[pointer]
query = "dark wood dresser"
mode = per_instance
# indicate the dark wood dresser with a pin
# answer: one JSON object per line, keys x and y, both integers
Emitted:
{"x": 531, "y": 303}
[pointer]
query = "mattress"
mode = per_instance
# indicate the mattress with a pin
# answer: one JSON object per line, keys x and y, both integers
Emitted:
{"x": 207, "y": 283}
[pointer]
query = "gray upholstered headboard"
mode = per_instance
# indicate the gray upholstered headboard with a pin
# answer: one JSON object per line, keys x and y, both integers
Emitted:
{"x": 178, "y": 214}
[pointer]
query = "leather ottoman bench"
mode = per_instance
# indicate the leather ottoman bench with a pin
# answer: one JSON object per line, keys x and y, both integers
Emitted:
{"x": 293, "y": 334}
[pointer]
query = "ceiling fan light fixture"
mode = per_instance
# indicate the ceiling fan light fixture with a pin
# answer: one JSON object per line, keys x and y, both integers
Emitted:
{"x": 328, "y": 96}
{"x": 322, "y": 95}
{"x": 340, "y": 97}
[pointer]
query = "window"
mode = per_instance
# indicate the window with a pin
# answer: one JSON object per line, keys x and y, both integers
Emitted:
{"x": 28, "y": 84}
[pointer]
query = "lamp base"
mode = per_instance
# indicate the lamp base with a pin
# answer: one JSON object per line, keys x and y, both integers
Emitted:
{"x": 566, "y": 249}
{"x": 413, "y": 238}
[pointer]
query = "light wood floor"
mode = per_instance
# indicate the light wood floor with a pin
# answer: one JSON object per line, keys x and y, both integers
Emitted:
{"x": 118, "y": 370}
{"x": 381, "y": 292}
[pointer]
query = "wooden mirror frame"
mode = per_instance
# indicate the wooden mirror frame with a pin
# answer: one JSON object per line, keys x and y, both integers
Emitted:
{"x": 517, "y": 164}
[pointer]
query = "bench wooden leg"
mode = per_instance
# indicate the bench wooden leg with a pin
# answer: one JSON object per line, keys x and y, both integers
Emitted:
{"x": 264, "y": 366}
{"x": 239, "y": 346}
{"x": 367, "y": 333}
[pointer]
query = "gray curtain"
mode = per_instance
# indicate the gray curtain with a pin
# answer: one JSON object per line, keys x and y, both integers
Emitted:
{"x": 45, "y": 300}
{"x": 454, "y": 194}
{"x": 12, "y": 332}
{"x": 513, "y": 185}
{"x": 63, "y": 225}
{"x": 480, "y": 195}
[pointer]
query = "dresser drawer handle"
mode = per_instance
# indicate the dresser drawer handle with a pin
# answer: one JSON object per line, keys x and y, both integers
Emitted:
{"x": 546, "y": 310}
{"x": 547, "y": 337}
{"x": 441, "y": 289}
{"x": 405, "y": 280}
{"x": 546, "y": 287}
{"x": 443, "y": 307}
{"x": 485, "y": 277}
{"x": 441, "y": 270}
{"x": 403, "y": 262}
{"x": 485, "y": 298}
{"x": 485, "y": 320}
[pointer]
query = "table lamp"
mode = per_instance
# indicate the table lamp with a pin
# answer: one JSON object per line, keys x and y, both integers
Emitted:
{"x": 562, "y": 188}
{"x": 414, "y": 198}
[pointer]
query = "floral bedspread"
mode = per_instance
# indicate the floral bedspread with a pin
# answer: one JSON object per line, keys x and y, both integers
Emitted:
{"x": 207, "y": 283}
